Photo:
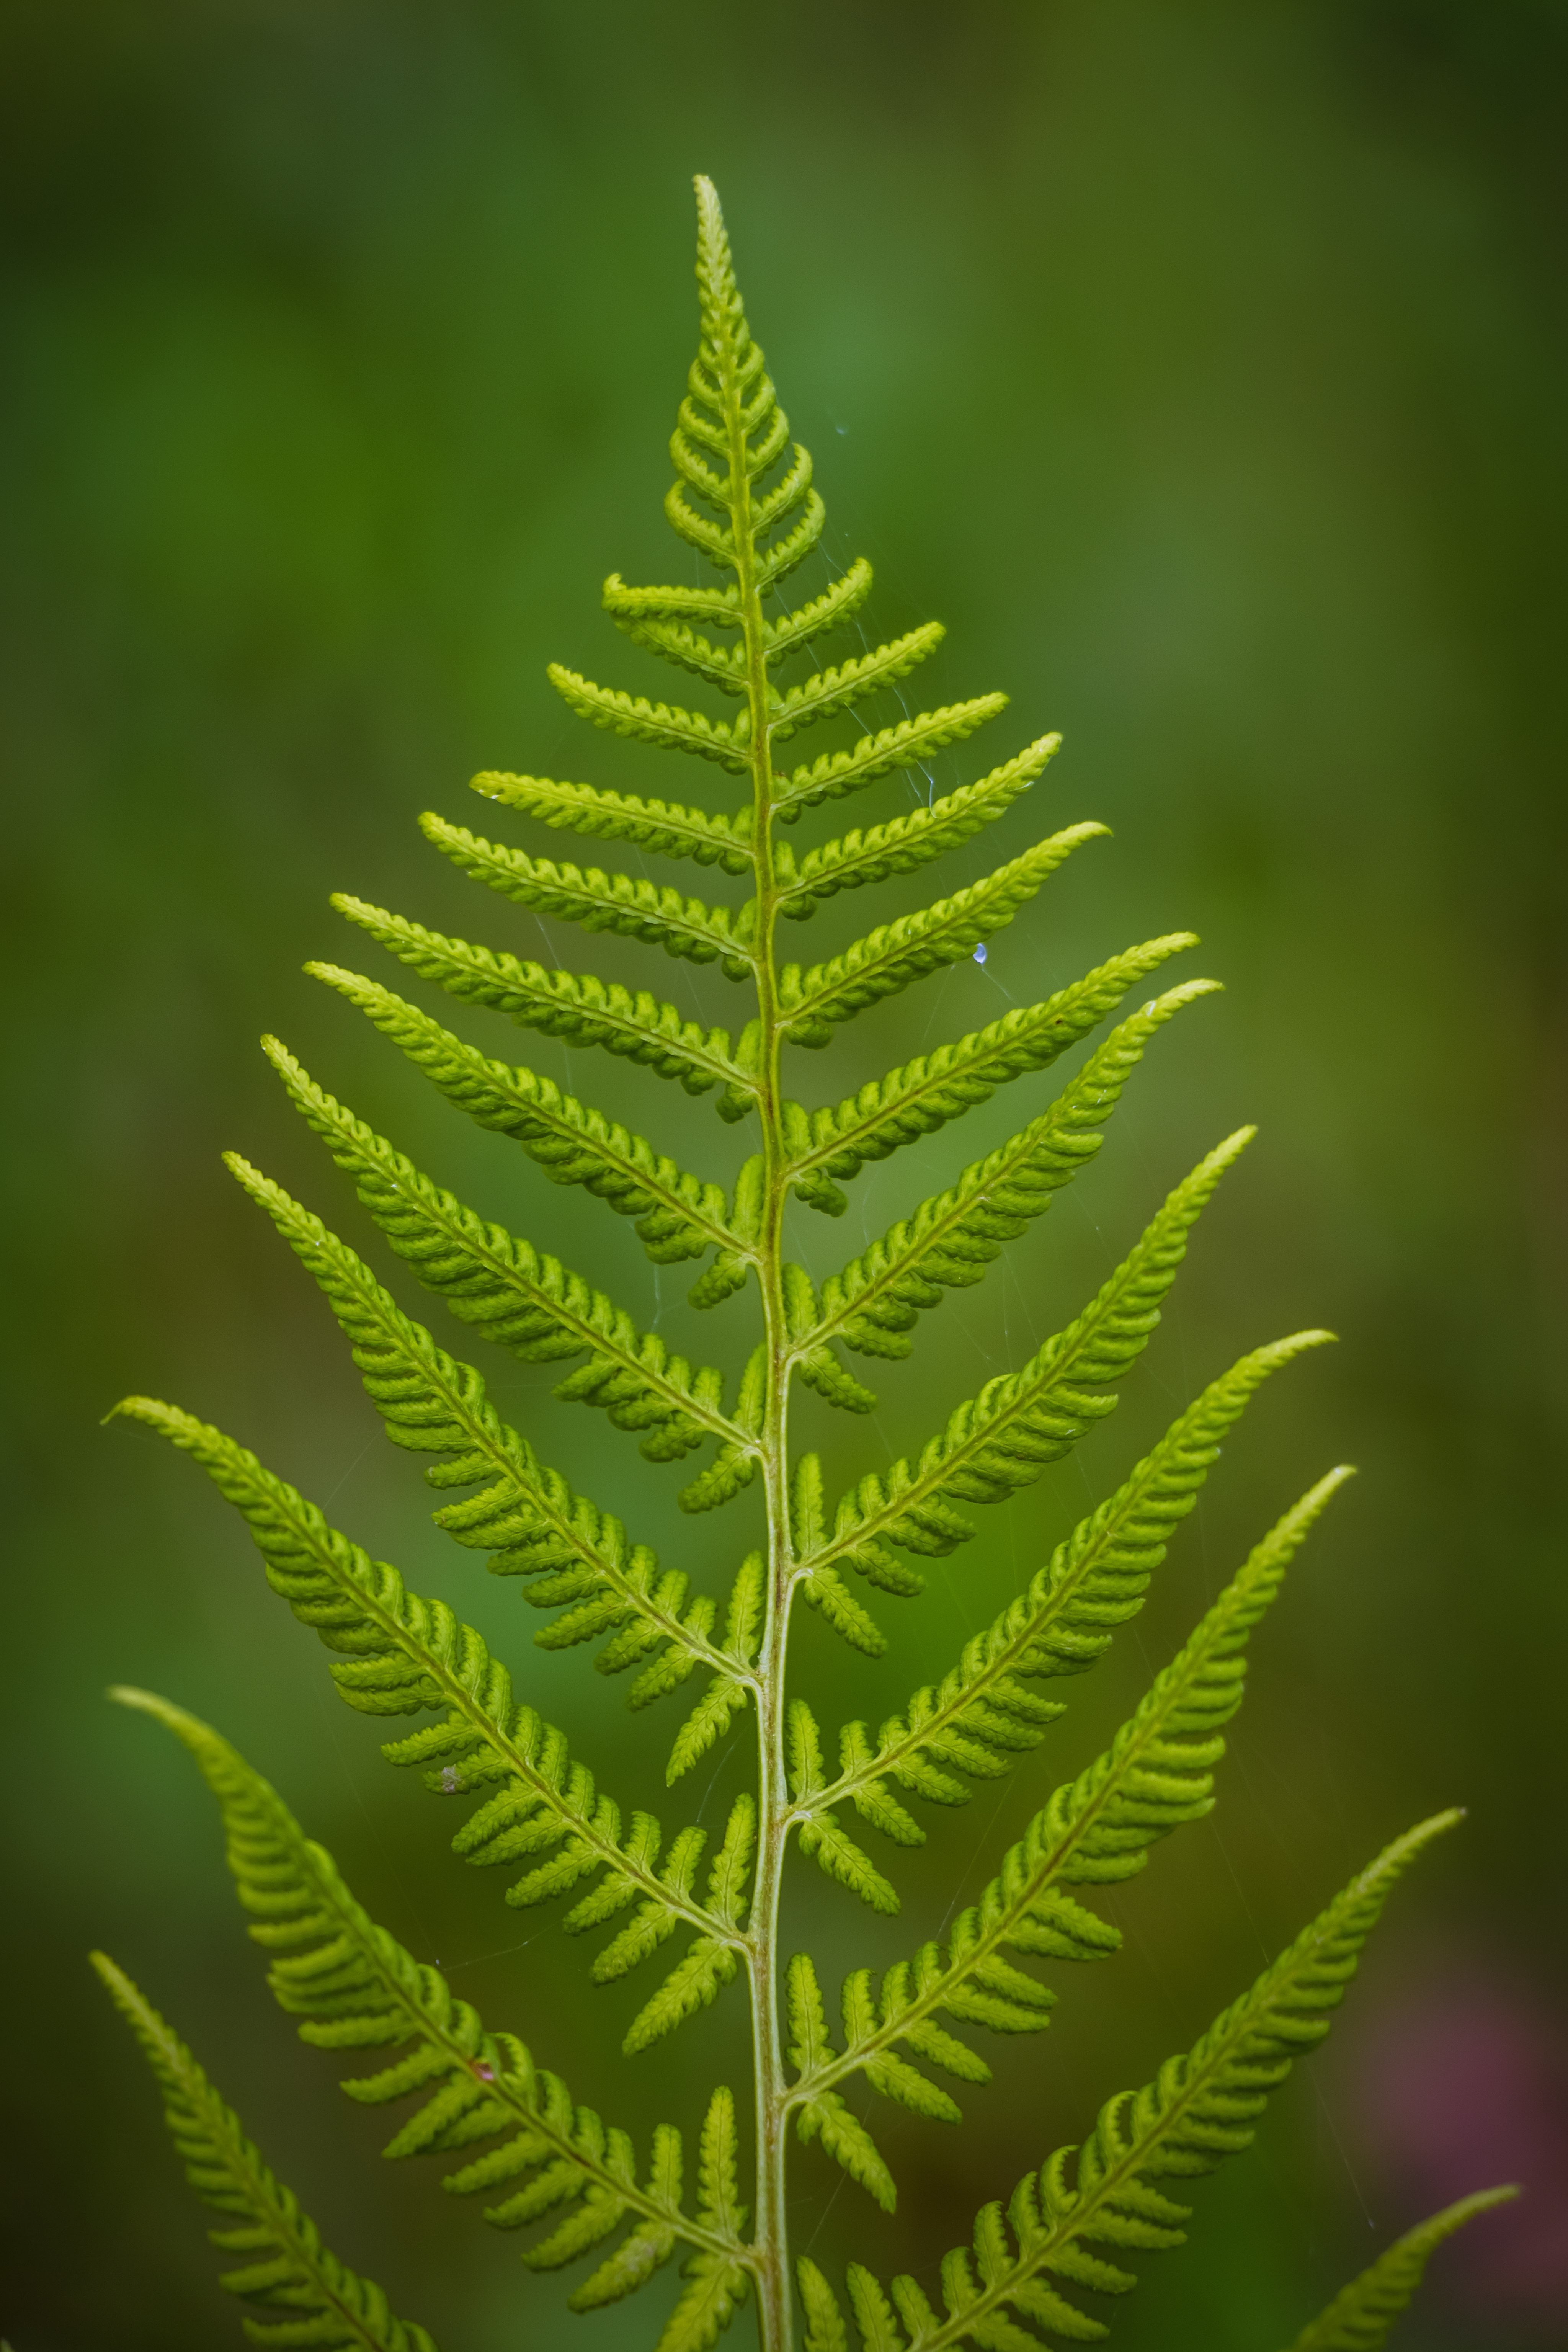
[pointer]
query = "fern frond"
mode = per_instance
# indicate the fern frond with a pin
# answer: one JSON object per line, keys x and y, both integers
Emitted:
{"x": 398, "y": 1654}
{"x": 1020, "y": 1421}
{"x": 1200, "y": 2107}
{"x": 660, "y": 723}
{"x": 289, "y": 2271}
{"x": 1157, "y": 1773}
{"x": 924, "y": 1095}
{"x": 678, "y": 1215}
{"x": 979, "y": 1719}
{"x": 1361, "y": 2314}
{"x": 837, "y": 605}
{"x": 353, "y": 1987}
{"x": 659, "y": 827}
{"x": 567, "y": 1004}
{"x": 897, "y": 954}
{"x": 905, "y": 843}
{"x": 835, "y": 774}
{"x": 850, "y": 682}
{"x": 630, "y": 607}
{"x": 596, "y": 901}
{"x": 578, "y": 1555}
{"x": 954, "y": 1238}
{"x": 525, "y": 1302}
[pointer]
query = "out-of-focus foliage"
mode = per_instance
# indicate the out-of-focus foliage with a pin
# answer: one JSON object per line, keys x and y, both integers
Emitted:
{"x": 313, "y": 397}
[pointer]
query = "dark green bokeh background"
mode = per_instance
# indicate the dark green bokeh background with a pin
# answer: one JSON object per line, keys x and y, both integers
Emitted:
{"x": 1201, "y": 367}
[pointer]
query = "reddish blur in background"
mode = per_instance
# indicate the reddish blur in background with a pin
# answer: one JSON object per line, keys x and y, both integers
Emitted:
{"x": 1202, "y": 366}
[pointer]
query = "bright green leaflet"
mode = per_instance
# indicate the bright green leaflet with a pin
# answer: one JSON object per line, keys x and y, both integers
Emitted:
{"x": 744, "y": 501}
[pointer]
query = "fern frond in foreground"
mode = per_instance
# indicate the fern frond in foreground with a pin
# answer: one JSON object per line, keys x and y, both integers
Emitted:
{"x": 764, "y": 630}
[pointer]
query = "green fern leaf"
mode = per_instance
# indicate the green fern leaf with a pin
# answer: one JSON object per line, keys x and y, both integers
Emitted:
{"x": 506, "y": 1290}
{"x": 1001, "y": 1440}
{"x": 924, "y": 1095}
{"x": 1200, "y": 2107}
{"x": 953, "y": 1239}
{"x": 596, "y": 901}
{"x": 837, "y": 773}
{"x": 1361, "y": 2314}
{"x": 400, "y": 1655}
{"x": 877, "y": 2328}
{"x": 660, "y": 828}
{"x": 353, "y": 1987}
{"x": 716, "y": 2288}
{"x": 1157, "y": 1774}
{"x": 678, "y": 1215}
{"x": 572, "y": 1005}
{"x": 906, "y": 841}
{"x": 658, "y": 723}
{"x": 825, "y": 2329}
{"x": 710, "y": 1719}
{"x": 898, "y": 953}
{"x": 836, "y": 689}
{"x": 695, "y": 1982}
{"x": 289, "y": 2271}
{"x": 824, "y": 2116}
{"x": 574, "y": 1552}
{"x": 981, "y": 1717}
{"x": 744, "y": 500}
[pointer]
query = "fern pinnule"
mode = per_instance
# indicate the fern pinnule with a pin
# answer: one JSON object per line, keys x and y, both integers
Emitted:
{"x": 707, "y": 1903}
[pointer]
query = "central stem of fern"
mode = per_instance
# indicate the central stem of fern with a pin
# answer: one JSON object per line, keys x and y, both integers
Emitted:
{"x": 771, "y": 2228}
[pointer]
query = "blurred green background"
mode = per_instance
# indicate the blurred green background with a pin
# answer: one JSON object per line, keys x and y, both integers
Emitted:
{"x": 1202, "y": 366}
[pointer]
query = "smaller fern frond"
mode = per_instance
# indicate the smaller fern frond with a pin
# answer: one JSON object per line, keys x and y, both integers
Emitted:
{"x": 981, "y": 1719}
{"x": 834, "y": 606}
{"x": 571, "y": 1005}
{"x": 526, "y": 1516}
{"x": 659, "y": 723}
{"x": 913, "y": 1101}
{"x": 906, "y": 843}
{"x": 1001, "y": 1440}
{"x": 524, "y": 1301}
{"x": 1361, "y": 2314}
{"x": 678, "y": 1215}
{"x": 287, "y": 2271}
{"x": 660, "y": 828}
{"x": 353, "y": 1987}
{"x": 1157, "y": 1774}
{"x": 835, "y": 774}
{"x": 836, "y": 689}
{"x": 954, "y": 1239}
{"x": 897, "y": 954}
{"x": 398, "y": 1654}
{"x": 596, "y": 901}
{"x": 1201, "y": 2107}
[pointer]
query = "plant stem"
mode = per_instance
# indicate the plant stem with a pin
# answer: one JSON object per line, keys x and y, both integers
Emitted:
{"x": 774, "y": 2328}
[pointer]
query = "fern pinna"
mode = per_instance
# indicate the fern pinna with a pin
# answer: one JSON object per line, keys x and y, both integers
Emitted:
{"x": 1039, "y": 2265}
